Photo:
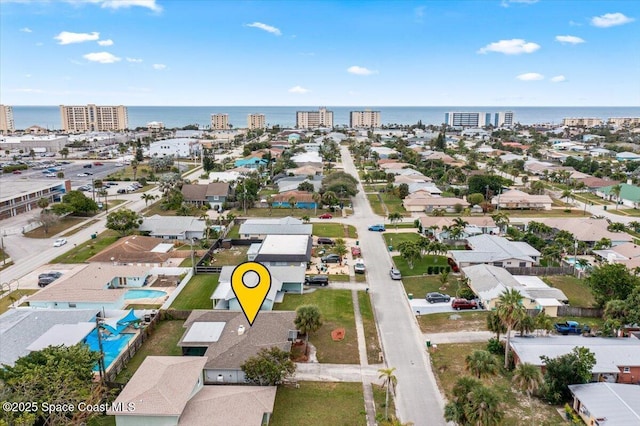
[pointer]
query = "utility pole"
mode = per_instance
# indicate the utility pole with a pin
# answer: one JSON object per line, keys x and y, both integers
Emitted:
{"x": 101, "y": 359}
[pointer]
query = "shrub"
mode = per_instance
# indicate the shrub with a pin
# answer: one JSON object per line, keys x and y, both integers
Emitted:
{"x": 429, "y": 270}
{"x": 495, "y": 346}
{"x": 458, "y": 207}
{"x": 127, "y": 179}
{"x": 467, "y": 293}
{"x": 142, "y": 181}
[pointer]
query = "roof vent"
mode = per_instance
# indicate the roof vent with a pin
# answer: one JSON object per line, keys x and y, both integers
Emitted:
{"x": 241, "y": 330}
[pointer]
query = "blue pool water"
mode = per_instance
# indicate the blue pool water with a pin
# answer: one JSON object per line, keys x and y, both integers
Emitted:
{"x": 570, "y": 261}
{"x": 143, "y": 294}
{"x": 111, "y": 346}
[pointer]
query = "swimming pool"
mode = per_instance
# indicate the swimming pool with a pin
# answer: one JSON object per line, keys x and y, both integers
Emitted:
{"x": 571, "y": 261}
{"x": 112, "y": 346}
{"x": 143, "y": 294}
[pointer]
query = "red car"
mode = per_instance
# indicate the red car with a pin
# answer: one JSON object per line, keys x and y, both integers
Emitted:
{"x": 97, "y": 163}
{"x": 356, "y": 252}
{"x": 458, "y": 304}
{"x": 17, "y": 172}
{"x": 325, "y": 216}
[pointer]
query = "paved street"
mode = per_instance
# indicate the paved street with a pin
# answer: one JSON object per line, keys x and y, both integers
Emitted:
{"x": 418, "y": 399}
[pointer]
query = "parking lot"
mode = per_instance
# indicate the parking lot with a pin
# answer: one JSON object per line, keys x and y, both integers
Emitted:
{"x": 70, "y": 170}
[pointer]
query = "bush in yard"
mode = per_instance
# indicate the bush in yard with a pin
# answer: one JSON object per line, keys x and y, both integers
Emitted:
{"x": 429, "y": 270}
{"x": 269, "y": 368}
{"x": 142, "y": 181}
{"x": 495, "y": 346}
{"x": 466, "y": 293}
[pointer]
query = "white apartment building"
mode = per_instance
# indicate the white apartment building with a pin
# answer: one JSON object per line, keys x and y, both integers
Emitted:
{"x": 624, "y": 121}
{"x": 7, "y": 125}
{"x": 255, "y": 121}
{"x": 504, "y": 118}
{"x": 219, "y": 121}
{"x": 313, "y": 119}
{"x": 93, "y": 118}
{"x": 364, "y": 119}
{"x": 478, "y": 119}
{"x": 582, "y": 121}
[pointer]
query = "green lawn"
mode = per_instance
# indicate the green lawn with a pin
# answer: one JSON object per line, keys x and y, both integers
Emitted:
{"x": 544, "y": 213}
{"x": 421, "y": 266}
{"x": 87, "y": 249}
{"x": 234, "y": 232}
{"x": 575, "y": 289}
{"x": 14, "y": 296}
{"x": 625, "y": 212}
{"x": 394, "y": 239}
{"x": 380, "y": 398}
{"x": 449, "y": 365}
{"x": 61, "y": 226}
{"x": 394, "y": 204}
{"x": 336, "y": 307}
{"x": 163, "y": 341}
{"x": 420, "y": 286}
{"x": 376, "y": 205}
{"x": 186, "y": 263}
{"x": 319, "y": 403}
{"x": 369, "y": 324}
{"x": 230, "y": 257}
{"x": 80, "y": 228}
{"x": 344, "y": 278}
{"x": 334, "y": 230}
{"x": 453, "y": 321}
{"x": 197, "y": 293}
{"x": 277, "y": 212}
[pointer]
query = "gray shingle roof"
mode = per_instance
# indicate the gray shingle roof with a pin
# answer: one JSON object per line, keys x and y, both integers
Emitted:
{"x": 283, "y": 226}
{"x": 490, "y": 248}
{"x": 618, "y": 403}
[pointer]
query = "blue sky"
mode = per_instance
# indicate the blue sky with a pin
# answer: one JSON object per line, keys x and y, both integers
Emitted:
{"x": 362, "y": 53}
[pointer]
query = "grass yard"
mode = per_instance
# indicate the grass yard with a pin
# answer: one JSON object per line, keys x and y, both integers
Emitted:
{"x": 230, "y": 257}
{"x": 625, "y": 212}
{"x": 142, "y": 306}
{"x": 544, "y": 213}
{"x": 342, "y": 278}
{"x": 443, "y": 322}
{"x": 380, "y": 398}
{"x": 421, "y": 266}
{"x": 186, "y": 263}
{"x": 87, "y": 249}
{"x": 394, "y": 239}
{"x": 575, "y": 289}
{"x": 376, "y": 205}
{"x": 277, "y": 212}
{"x": 334, "y": 230}
{"x": 197, "y": 293}
{"x": 420, "y": 286}
{"x": 163, "y": 341}
{"x": 449, "y": 365}
{"x": 394, "y": 204}
{"x": 369, "y": 324}
{"x": 14, "y": 296}
{"x": 361, "y": 278}
{"x": 80, "y": 228}
{"x": 590, "y": 198}
{"x": 155, "y": 209}
{"x": 319, "y": 403}
{"x": 234, "y": 232}
{"x": 336, "y": 307}
{"x": 404, "y": 225}
{"x": 61, "y": 226}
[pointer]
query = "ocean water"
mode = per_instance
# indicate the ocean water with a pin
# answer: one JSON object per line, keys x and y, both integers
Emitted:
{"x": 285, "y": 116}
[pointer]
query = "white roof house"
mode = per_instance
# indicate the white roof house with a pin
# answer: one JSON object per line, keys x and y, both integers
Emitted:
{"x": 173, "y": 227}
{"x": 516, "y": 199}
{"x": 179, "y": 147}
{"x": 497, "y": 251}
{"x": 607, "y": 403}
{"x": 261, "y": 227}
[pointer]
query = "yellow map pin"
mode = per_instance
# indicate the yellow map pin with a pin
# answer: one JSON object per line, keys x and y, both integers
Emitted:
{"x": 250, "y": 296}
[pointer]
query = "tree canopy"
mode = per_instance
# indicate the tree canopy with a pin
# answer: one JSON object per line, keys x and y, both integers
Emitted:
{"x": 123, "y": 221}
{"x": 341, "y": 183}
{"x": 75, "y": 202}
{"x": 611, "y": 281}
{"x": 269, "y": 368}
{"x": 564, "y": 370}
{"x": 479, "y": 184}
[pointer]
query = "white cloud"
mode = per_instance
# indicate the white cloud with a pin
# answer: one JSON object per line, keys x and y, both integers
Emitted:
{"x": 66, "y": 37}
{"x": 299, "y": 89}
{"x": 558, "y": 79}
{"x": 515, "y": 46}
{"x": 419, "y": 13}
{"x": 569, "y": 39}
{"x": 105, "y": 42}
{"x": 505, "y": 3}
{"x": 28, "y": 90}
{"x": 575, "y": 24}
{"x": 26, "y": 30}
{"x": 360, "y": 70}
{"x": 117, "y": 4}
{"x": 159, "y": 66}
{"x": 134, "y": 60}
{"x": 610, "y": 20}
{"x": 265, "y": 27}
{"x": 530, "y": 76}
{"x": 101, "y": 57}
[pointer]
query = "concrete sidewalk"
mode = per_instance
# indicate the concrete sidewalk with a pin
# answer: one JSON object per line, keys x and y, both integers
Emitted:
{"x": 459, "y": 337}
{"x": 316, "y": 372}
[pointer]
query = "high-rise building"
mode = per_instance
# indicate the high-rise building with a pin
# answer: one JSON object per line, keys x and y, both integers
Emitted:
{"x": 7, "y": 125}
{"x": 255, "y": 121}
{"x": 478, "y": 119}
{"x": 367, "y": 119}
{"x": 312, "y": 119}
{"x": 93, "y": 118}
{"x": 220, "y": 121}
{"x": 503, "y": 118}
{"x": 624, "y": 121}
{"x": 582, "y": 121}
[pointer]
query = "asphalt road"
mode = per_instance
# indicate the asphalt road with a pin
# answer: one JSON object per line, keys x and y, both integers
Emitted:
{"x": 418, "y": 399}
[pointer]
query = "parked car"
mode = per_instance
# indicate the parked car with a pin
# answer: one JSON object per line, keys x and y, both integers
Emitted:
{"x": 459, "y": 304}
{"x": 60, "y": 242}
{"x": 45, "y": 281}
{"x": 50, "y": 175}
{"x": 321, "y": 280}
{"x": 87, "y": 166}
{"x": 377, "y": 228}
{"x": 55, "y": 275}
{"x": 395, "y": 274}
{"x": 330, "y": 258}
{"x": 437, "y": 297}
{"x": 355, "y": 251}
{"x": 325, "y": 216}
{"x": 82, "y": 175}
{"x": 121, "y": 191}
{"x": 97, "y": 163}
{"x": 88, "y": 173}
{"x": 453, "y": 265}
{"x": 571, "y": 327}
{"x": 359, "y": 267}
{"x": 325, "y": 240}
{"x": 17, "y": 172}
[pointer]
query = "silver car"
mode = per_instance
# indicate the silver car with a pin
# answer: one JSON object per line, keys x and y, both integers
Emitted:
{"x": 395, "y": 274}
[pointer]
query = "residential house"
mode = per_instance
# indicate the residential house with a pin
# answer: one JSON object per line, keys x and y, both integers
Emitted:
{"x": 617, "y": 359}
{"x": 184, "y": 228}
{"x": 259, "y": 228}
{"x": 427, "y": 187}
{"x": 593, "y": 183}
{"x": 303, "y": 199}
{"x": 438, "y": 155}
{"x": 627, "y": 156}
{"x": 383, "y": 151}
{"x": 438, "y": 226}
{"x": 586, "y": 229}
{"x": 285, "y": 250}
{"x": 629, "y": 195}
{"x": 225, "y": 340}
{"x": 412, "y": 178}
{"x": 96, "y": 286}
{"x": 251, "y": 162}
{"x": 627, "y": 254}
{"x": 135, "y": 250}
{"x": 489, "y": 282}
{"x": 284, "y": 279}
{"x": 391, "y": 166}
{"x": 307, "y": 159}
{"x": 170, "y": 391}
{"x": 600, "y": 152}
{"x": 305, "y": 171}
{"x": 422, "y": 201}
{"x": 179, "y": 148}
{"x": 496, "y": 251}
{"x": 291, "y": 183}
{"x": 213, "y": 195}
{"x": 516, "y": 199}
{"x": 607, "y": 403}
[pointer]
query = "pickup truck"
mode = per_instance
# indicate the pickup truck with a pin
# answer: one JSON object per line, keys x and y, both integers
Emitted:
{"x": 571, "y": 327}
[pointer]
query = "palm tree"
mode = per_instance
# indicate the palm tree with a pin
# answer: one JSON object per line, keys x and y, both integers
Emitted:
{"x": 390, "y": 381}
{"x": 481, "y": 363}
{"x": 543, "y": 322}
{"x": 147, "y": 197}
{"x": 308, "y": 320}
{"x": 484, "y": 407}
{"x": 410, "y": 253}
{"x": 501, "y": 219}
{"x": 510, "y": 310}
{"x": 634, "y": 225}
{"x": 270, "y": 204}
{"x": 495, "y": 325}
{"x": 566, "y": 194}
{"x": 340, "y": 248}
{"x": 528, "y": 378}
{"x": 134, "y": 168}
{"x": 306, "y": 219}
{"x": 616, "y": 189}
{"x": 395, "y": 217}
{"x": 292, "y": 203}
{"x": 317, "y": 198}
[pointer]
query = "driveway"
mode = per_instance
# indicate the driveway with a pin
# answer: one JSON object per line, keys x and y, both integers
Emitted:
{"x": 420, "y": 306}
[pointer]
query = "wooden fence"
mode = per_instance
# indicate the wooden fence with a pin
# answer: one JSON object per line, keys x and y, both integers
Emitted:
{"x": 541, "y": 270}
{"x": 574, "y": 311}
